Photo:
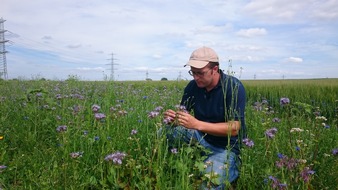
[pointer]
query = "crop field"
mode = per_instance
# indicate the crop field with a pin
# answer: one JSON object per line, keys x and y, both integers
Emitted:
{"x": 104, "y": 135}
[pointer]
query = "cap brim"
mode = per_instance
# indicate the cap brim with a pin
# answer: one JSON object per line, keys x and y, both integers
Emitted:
{"x": 197, "y": 64}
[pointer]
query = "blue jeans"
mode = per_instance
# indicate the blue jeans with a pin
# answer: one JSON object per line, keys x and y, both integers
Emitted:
{"x": 220, "y": 161}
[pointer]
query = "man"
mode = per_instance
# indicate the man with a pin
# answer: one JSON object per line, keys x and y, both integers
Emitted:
{"x": 217, "y": 101}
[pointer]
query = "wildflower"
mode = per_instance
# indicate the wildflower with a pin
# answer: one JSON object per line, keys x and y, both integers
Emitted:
{"x": 1, "y": 137}
{"x": 296, "y": 130}
{"x": 181, "y": 108}
{"x": 76, "y": 154}
{"x": 321, "y": 118}
{"x": 248, "y": 142}
{"x": 99, "y": 116}
{"x": 159, "y": 108}
{"x": 167, "y": 120}
{"x": 284, "y": 101}
{"x": 270, "y": 133}
{"x": 153, "y": 114}
{"x": 58, "y": 96}
{"x": 122, "y": 112}
{"x": 85, "y": 132}
{"x": 280, "y": 155}
{"x": 96, "y": 138}
{"x": 95, "y": 108}
{"x": 297, "y": 148}
{"x": 326, "y": 126}
{"x": 116, "y": 157}
{"x": 306, "y": 173}
{"x": 3, "y": 167}
{"x": 335, "y": 151}
{"x": 61, "y": 128}
{"x": 276, "y": 120}
{"x": 174, "y": 150}
{"x": 133, "y": 132}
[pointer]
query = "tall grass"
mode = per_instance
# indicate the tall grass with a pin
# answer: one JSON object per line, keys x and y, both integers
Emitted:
{"x": 103, "y": 135}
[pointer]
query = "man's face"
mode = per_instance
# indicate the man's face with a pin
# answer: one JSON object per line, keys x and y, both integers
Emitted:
{"x": 203, "y": 76}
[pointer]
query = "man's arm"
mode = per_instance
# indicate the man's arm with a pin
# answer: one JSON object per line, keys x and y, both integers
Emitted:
{"x": 217, "y": 129}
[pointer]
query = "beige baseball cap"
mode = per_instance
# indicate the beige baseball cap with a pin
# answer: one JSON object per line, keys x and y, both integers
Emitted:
{"x": 201, "y": 57}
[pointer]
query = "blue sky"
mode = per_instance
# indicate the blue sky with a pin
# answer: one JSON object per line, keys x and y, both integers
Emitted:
{"x": 270, "y": 39}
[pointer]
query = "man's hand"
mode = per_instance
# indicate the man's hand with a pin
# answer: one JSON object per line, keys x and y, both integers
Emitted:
{"x": 170, "y": 117}
{"x": 186, "y": 120}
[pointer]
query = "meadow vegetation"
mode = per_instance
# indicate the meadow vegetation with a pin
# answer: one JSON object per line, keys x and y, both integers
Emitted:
{"x": 103, "y": 135}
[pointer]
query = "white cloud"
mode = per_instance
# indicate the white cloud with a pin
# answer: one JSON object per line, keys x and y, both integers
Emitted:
{"x": 295, "y": 59}
{"x": 252, "y": 32}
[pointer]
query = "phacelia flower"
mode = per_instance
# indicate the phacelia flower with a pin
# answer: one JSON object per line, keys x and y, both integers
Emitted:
{"x": 153, "y": 114}
{"x": 284, "y": 101}
{"x": 270, "y": 133}
{"x": 276, "y": 120}
{"x": 99, "y": 116}
{"x": 174, "y": 150}
{"x": 248, "y": 142}
{"x": 167, "y": 120}
{"x": 306, "y": 173}
{"x": 133, "y": 132}
{"x": 76, "y": 154}
{"x": 335, "y": 151}
{"x": 158, "y": 108}
{"x": 116, "y": 157}
{"x": 181, "y": 108}
{"x": 95, "y": 108}
{"x": 61, "y": 128}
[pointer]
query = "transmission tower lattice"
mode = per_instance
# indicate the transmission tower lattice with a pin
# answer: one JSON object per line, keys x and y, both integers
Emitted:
{"x": 3, "y": 61}
{"x": 112, "y": 67}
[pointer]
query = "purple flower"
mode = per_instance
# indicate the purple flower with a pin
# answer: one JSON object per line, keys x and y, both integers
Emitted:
{"x": 181, "y": 108}
{"x": 167, "y": 120}
{"x": 116, "y": 157}
{"x": 270, "y": 133}
{"x": 335, "y": 151}
{"x": 133, "y": 132}
{"x": 276, "y": 184}
{"x": 306, "y": 173}
{"x": 158, "y": 108}
{"x": 276, "y": 120}
{"x": 285, "y": 161}
{"x": 3, "y": 167}
{"x": 95, "y": 108}
{"x": 153, "y": 114}
{"x": 61, "y": 128}
{"x": 174, "y": 150}
{"x": 99, "y": 116}
{"x": 280, "y": 155}
{"x": 248, "y": 142}
{"x": 76, "y": 154}
{"x": 284, "y": 101}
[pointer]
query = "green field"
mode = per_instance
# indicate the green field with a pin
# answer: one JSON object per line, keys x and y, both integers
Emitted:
{"x": 99, "y": 135}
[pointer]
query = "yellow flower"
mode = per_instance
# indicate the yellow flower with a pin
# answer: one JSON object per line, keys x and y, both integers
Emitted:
{"x": 1, "y": 137}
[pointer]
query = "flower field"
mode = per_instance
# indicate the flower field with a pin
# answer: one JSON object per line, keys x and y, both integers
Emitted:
{"x": 103, "y": 135}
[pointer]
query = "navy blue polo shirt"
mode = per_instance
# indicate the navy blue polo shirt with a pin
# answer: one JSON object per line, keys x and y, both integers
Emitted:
{"x": 225, "y": 102}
